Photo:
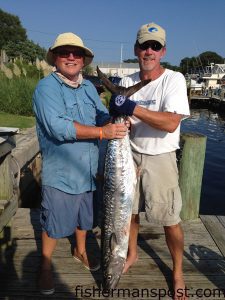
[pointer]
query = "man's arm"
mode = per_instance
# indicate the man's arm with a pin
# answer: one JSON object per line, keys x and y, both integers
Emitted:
{"x": 165, "y": 121}
{"x": 108, "y": 131}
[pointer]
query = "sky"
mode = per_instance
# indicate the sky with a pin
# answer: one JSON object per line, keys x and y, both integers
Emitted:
{"x": 109, "y": 27}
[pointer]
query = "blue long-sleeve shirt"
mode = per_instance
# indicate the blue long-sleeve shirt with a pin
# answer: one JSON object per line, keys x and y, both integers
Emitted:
{"x": 69, "y": 165}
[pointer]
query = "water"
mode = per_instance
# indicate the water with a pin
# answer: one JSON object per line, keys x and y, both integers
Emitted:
{"x": 211, "y": 124}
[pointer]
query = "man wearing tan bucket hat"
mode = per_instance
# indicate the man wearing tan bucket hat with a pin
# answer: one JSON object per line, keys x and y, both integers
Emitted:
{"x": 156, "y": 110}
{"x": 70, "y": 121}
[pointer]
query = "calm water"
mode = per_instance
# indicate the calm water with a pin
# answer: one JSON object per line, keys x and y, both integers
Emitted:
{"x": 211, "y": 124}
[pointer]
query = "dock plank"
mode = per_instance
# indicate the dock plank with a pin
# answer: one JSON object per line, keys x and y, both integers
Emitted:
{"x": 222, "y": 220}
{"x": 215, "y": 226}
{"x": 204, "y": 264}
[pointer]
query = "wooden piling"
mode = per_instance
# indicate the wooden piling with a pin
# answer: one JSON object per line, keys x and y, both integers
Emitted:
{"x": 8, "y": 203}
{"x": 6, "y": 186}
{"x": 189, "y": 95}
{"x": 191, "y": 163}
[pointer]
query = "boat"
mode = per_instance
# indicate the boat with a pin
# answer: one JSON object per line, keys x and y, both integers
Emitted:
{"x": 214, "y": 76}
{"x": 209, "y": 83}
{"x": 195, "y": 86}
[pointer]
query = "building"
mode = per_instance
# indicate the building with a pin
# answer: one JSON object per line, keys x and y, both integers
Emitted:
{"x": 116, "y": 69}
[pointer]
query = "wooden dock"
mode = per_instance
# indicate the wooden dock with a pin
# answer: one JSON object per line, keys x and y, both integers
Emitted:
{"x": 202, "y": 97}
{"x": 204, "y": 263}
{"x": 214, "y": 102}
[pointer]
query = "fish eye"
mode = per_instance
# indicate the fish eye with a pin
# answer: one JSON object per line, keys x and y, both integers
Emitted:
{"x": 109, "y": 277}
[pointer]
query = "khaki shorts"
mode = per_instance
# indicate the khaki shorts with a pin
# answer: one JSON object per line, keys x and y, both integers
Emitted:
{"x": 157, "y": 190}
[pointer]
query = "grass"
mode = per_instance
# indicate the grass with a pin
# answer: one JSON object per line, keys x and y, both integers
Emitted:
{"x": 16, "y": 95}
{"x": 10, "y": 120}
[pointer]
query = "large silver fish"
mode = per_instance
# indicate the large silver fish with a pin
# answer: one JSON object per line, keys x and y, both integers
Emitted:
{"x": 118, "y": 194}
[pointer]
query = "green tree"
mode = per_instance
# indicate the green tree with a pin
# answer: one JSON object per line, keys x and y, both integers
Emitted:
{"x": 187, "y": 64}
{"x": 209, "y": 57}
{"x": 13, "y": 49}
{"x": 31, "y": 51}
{"x": 197, "y": 64}
{"x": 13, "y": 40}
{"x": 10, "y": 29}
{"x": 88, "y": 70}
{"x": 169, "y": 66}
{"x": 26, "y": 50}
{"x": 129, "y": 60}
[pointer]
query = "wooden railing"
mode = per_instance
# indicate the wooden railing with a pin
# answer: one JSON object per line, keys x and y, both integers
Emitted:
{"x": 20, "y": 166}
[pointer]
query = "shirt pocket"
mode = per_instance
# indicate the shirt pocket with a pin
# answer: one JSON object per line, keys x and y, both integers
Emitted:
{"x": 89, "y": 111}
{"x": 72, "y": 108}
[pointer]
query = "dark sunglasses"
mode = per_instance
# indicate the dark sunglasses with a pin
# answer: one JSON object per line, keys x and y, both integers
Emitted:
{"x": 66, "y": 53}
{"x": 155, "y": 46}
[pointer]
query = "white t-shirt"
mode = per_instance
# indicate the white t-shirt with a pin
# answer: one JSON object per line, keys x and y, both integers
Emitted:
{"x": 166, "y": 93}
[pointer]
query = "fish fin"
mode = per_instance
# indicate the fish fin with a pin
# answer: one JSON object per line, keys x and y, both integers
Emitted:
{"x": 107, "y": 83}
{"x": 133, "y": 89}
{"x": 112, "y": 242}
{"x": 120, "y": 90}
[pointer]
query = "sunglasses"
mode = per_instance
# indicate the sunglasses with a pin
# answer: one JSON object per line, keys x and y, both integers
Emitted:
{"x": 66, "y": 53}
{"x": 155, "y": 46}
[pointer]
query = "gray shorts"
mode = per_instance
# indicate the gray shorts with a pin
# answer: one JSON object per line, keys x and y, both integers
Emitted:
{"x": 157, "y": 190}
{"x": 62, "y": 213}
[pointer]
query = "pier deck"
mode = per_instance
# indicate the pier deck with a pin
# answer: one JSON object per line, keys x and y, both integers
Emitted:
{"x": 211, "y": 101}
{"x": 204, "y": 262}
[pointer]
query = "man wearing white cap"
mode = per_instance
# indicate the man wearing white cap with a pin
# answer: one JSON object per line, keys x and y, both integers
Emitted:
{"x": 156, "y": 112}
{"x": 71, "y": 119}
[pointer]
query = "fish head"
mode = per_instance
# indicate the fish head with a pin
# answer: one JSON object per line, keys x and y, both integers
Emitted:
{"x": 113, "y": 272}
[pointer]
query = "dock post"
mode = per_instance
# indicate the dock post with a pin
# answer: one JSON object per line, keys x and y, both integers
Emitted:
{"x": 189, "y": 95}
{"x": 191, "y": 159}
{"x": 8, "y": 205}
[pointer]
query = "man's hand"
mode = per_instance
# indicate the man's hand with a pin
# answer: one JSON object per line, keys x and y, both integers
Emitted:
{"x": 114, "y": 131}
{"x": 121, "y": 105}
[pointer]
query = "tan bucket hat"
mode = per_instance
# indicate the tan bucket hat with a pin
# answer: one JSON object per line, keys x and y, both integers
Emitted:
{"x": 151, "y": 31}
{"x": 69, "y": 39}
